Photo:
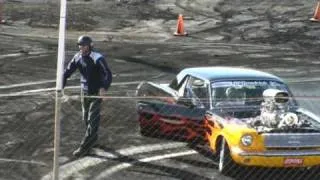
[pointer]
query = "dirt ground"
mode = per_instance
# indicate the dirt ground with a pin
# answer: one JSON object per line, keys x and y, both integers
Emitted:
{"x": 137, "y": 38}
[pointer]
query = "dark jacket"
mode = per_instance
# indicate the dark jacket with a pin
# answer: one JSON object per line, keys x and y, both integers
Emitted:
{"x": 94, "y": 70}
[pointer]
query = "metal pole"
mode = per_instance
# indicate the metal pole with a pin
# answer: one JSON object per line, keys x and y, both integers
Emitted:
{"x": 59, "y": 87}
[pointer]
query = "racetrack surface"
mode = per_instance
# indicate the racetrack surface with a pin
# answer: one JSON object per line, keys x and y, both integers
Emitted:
{"x": 137, "y": 38}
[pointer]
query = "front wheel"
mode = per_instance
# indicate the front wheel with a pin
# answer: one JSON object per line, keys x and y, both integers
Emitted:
{"x": 226, "y": 164}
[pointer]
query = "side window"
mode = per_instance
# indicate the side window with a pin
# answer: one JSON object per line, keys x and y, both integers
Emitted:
{"x": 197, "y": 87}
{"x": 200, "y": 89}
{"x": 197, "y": 90}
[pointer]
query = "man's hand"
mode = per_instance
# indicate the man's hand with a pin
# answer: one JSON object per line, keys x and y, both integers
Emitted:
{"x": 102, "y": 92}
{"x": 64, "y": 97}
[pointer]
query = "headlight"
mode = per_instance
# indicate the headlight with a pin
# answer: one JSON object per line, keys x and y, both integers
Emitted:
{"x": 246, "y": 140}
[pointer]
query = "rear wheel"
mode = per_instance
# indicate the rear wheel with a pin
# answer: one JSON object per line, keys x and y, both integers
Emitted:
{"x": 145, "y": 131}
{"x": 150, "y": 131}
{"x": 145, "y": 128}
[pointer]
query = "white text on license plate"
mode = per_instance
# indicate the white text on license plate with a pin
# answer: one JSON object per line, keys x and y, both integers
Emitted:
{"x": 293, "y": 162}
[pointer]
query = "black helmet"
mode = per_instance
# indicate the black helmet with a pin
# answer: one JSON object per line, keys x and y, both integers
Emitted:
{"x": 85, "y": 40}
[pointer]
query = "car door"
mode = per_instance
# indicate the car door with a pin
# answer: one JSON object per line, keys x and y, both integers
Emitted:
{"x": 182, "y": 119}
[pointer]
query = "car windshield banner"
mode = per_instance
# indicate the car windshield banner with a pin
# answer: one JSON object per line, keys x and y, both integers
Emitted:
{"x": 240, "y": 84}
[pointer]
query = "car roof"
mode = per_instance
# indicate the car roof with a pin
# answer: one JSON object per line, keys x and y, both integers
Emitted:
{"x": 226, "y": 73}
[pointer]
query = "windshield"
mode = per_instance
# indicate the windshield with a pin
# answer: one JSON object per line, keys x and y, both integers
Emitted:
{"x": 237, "y": 93}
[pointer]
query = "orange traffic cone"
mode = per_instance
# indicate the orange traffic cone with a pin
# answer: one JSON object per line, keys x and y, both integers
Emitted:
{"x": 316, "y": 16}
{"x": 180, "y": 27}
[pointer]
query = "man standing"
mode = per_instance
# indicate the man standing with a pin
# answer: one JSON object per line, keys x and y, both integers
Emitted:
{"x": 95, "y": 79}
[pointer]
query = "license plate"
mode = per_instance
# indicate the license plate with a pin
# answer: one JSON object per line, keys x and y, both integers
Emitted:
{"x": 288, "y": 162}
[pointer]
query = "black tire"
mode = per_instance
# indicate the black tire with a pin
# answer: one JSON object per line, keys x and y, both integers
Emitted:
{"x": 312, "y": 173}
{"x": 145, "y": 132}
{"x": 150, "y": 132}
{"x": 226, "y": 164}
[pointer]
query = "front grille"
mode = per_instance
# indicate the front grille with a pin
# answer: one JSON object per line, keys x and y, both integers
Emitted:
{"x": 291, "y": 140}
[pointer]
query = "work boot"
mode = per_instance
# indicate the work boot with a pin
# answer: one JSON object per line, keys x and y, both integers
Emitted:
{"x": 80, "y": 152}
